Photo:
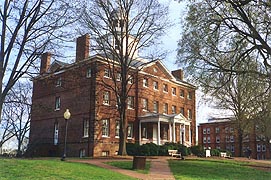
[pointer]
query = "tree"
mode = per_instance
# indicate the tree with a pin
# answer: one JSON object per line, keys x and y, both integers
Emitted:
{"x": 16, "y": 112}
{"x": 209, "y": 26}
{"x": 119, "y": 29}
{"x": 28, "y": 28}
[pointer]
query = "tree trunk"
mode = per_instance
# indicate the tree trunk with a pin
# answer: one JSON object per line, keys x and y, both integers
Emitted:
{"x": 123, "y": 133}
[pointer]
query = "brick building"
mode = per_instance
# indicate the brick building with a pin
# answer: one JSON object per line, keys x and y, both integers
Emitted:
{"x": 161, "y": 106}
{"x": 220, "y": 133}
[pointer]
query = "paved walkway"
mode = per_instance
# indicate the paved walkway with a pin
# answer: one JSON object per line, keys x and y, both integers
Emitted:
{"x": 159, "y": 169}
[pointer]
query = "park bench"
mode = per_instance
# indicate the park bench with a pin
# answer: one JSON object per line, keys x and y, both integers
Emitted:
{"x": 174, "y": 153}
{"x": 223, "y": 154}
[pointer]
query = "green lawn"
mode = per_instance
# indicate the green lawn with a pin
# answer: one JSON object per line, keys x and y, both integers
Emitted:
{"x": 129, "y": 165}
{"x": 215, "y": 169}
{"x": 23, "y": 169}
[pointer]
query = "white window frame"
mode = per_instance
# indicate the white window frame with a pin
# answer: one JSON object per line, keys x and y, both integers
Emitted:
{"x": 189, "y": 113}
{"x": 155, "y": 85}
{"x": 173, "y": 109}
{"x": 208, "y": 130}
{"x": 145, "y": 104}
{"x": 117, "y": 128}
{"x": 118, "y": 77}
{"x": 204, "y": 131}
{"x": 59, "y": 82}
{"x": 232, "y": 148}
{"x": 263, "y": 147}
{"x": 259, "y": 148}
{"x": 105, "y": 128}
{"x": 106, "y": 98}
{"x": 131, "y": 102}
{"x": 88, "y": 73}
{"x": 217, "y": 139}
{"x": 145, "y": 82}
{"x": 130, "y": 79}
{"x": 130, "y": 131}
{"x": 156, "y": 107}
{"x": 173, "y": 89}
{"x": 56, "y": 133}
{"x": 232, "y": 138}
{"x": 181, "y": 93}
{"x": 189, "y": 95}
{"x": 85, "y": 127}
{"x": 57, "y": 103}
{"x": 204, "y": 140}
{"x": 209, "y": 139}
{"x": 165, "y": 108}
{"x": 106, "y": 73}
{"x": 217, "y": 130}
{"x": 165, "y": 88}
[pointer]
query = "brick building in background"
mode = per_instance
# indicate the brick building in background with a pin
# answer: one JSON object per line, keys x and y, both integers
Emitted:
{"x": 220, "y": 133}
{"x": 161, "y": 106}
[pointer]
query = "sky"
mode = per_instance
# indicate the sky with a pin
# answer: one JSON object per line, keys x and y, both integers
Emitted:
{"x": 170, "y": 42}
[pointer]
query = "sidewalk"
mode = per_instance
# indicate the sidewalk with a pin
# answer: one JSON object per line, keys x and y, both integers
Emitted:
{"x": 159, "y": 169}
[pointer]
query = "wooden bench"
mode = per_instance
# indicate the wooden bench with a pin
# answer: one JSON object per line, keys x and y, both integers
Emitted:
{"x": 223, "y": 154}
{"x": 174, "y": 153}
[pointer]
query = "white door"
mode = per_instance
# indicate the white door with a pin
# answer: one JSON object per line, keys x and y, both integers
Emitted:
{"x": 56, "y": 134}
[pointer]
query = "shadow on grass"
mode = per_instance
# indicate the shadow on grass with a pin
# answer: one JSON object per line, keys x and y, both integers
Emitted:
{"x": 128, "y": 165}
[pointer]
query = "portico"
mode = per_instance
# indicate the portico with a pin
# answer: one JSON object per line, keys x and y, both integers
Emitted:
{"x": 162, "y": 128}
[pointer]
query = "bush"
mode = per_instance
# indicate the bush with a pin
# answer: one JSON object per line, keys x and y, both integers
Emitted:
{"x": 132, "y": 149}
{"x": 215, "y": 152}
{"x": 197, "y": 151}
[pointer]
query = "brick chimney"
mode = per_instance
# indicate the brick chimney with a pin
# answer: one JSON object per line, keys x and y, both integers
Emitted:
{"x": 178, "y": 74}
{"x": 45, "y": 62}
{"x": 82, "y": 47}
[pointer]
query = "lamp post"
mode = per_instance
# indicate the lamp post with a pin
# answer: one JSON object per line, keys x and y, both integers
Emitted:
{"x": 67, "y": 116}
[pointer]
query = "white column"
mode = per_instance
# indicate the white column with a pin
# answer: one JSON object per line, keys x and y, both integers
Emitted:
{"x": 158, "y": 133}
{"x": 189, "y": 134}
{"x": 184, "y": 134}
{"x": 170, "y": 132}
{"x": 174, "y": 133}
{"x": 139, "y": 132}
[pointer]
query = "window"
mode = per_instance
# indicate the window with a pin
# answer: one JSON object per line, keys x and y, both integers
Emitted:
{"x": 145, "y": 82}
{"x": 232, "y": 138}
{"x": 263, "y": 148}
{"x": 82, "y": 153}
{"x": 117, "y": 128}
{"x": 165, "y": 108}
{"x": 106, "y": 98}
{"x": 189, "y": 96}
{"x": 189, "y": 112}
{"x": 258, "y": 148}
{"x": 130, "y": 130}
{"x": 227, "y": 139}
{"x": 144, "y": 131}
{"x": 217, "y": 130}
{"x": 217, "y": 139}
{"x": 131, "y": 102}
{"x": 105, "y": 128}
{"x": 204, "y": 139}
{"x": 58, "y": 82}
{"x": 57, "y": 103}
{"x": 88, "y": 74}
{"x": 156, "y": 106}
{"x": 155, "y": 85}
{"x": 173, "y": 91}
{"x": 217, "y": 147}
{"x": 182, "y": 110}
{"x": 118, "y": 77}
{"x": 208, "y": 139}
{"x": 106, "y": 73}
{"x": 154, "y": 70}
{"x": 173, "y": 109}
{"x": 231, "y": 130}
{"x": 130, "y": 79}
{"x": 56, "y": 134}
{"x": 208, "y": 130}
{"x": 226, "y": 130}
{"x": 232, "y": 148}
{"x": 145, "y": 104}
{"x": 86, "y": 127}
{"x": 165, "y": 88}
{"x": 181, "y": 93}
{"x": 204, "y": 130}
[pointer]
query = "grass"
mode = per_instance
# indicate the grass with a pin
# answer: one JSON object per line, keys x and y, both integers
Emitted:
{"x": 215, "y": 169}
{"x": 23, "y": 169}
{"x": 129, "y": 166}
